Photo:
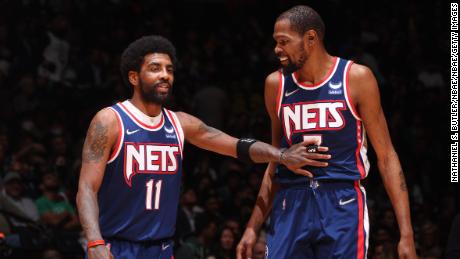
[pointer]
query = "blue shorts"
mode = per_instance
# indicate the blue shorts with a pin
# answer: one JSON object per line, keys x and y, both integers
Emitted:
{"x": 122, "y": 249}
{"x": 319, "y": 220}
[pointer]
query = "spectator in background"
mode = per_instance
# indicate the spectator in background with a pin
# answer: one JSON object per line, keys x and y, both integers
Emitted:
{"x": 384, "y": 250}
{"x": 54, "y": 208}
{"x": 234, "y": 225}
{"x": 429, "y": 241}
{"x": 51, "y": 253}
{"x": 260, "y": 250}
{"x": 186, "y": 213}
{"x": 56, "y": 53}
{"x": 198, "y": 246}
{"x": 453, "y": 244}
{"x": 226, "y": 244}
{"x": 19, "y": 209}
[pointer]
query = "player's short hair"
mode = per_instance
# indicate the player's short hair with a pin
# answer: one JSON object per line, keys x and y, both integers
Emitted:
{"x": 304, "y": 18}
{"x": 133, "y": 56}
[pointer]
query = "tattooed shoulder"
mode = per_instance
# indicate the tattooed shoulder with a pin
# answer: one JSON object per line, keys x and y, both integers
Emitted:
{"x": 96, "y": 141}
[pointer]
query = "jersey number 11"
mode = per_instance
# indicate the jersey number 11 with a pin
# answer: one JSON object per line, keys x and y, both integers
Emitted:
{"x": 148, "y": 198}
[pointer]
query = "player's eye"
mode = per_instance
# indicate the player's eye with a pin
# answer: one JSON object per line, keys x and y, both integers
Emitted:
{"x": 154, "y": 68}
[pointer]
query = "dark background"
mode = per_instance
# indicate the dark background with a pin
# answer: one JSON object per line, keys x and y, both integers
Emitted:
{"x": 51, "y": 90}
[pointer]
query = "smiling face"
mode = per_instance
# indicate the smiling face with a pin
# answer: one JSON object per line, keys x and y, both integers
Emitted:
{"x": 155, "y": 79}
{"x": 292, "y": 48}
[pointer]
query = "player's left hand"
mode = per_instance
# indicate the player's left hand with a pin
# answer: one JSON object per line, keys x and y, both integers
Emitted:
{"x": 298, "y": 156}
{"x": 406, "y": 248}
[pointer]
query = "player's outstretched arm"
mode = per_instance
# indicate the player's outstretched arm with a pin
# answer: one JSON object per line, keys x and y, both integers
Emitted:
{"x": 364, "y": 90}
{"x": 209, "y": 138}
{"x": 100, "y": 139}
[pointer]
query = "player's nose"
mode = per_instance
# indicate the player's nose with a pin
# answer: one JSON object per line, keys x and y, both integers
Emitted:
{"x": 278, "y": 50}
{"x": 164, "y": 74}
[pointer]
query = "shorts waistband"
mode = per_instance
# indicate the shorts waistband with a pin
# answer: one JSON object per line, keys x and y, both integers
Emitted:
{"x": 320, "y": 184}
{"x": 156, "y": 242}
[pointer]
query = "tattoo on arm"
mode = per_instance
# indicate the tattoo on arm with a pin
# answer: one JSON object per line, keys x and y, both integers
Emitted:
{"x": 96, "y": 143}
{"x": 212, "y": 132}
{"x": 403, "y": 185}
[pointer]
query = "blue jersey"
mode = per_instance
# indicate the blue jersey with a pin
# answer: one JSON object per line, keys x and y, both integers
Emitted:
{"x": 323, "y": 112}
{"x": 139, "y": 194}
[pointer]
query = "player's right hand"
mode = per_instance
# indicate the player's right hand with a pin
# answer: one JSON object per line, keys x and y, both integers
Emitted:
{"x": 246, "y": 245}
{"x": 100, "y": 252}
{"x": 298, "y": 156}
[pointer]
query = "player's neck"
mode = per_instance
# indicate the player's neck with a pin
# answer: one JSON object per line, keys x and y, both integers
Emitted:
{"x": 316, "y": 68}
{"x": 149, "y": 109}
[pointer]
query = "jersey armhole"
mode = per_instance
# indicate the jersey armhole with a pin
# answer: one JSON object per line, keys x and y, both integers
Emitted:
{"x": 120, "y": 138}
{"x": 347, "y": 95}
{"x": 178, "y": 127}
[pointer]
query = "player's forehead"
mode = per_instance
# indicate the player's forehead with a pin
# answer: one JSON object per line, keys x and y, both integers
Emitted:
{"x": 157, "y": 59}
{"x": 282, "y": 29}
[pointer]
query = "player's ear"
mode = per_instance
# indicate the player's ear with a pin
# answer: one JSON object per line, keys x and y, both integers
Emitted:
{"x": 310, "y": 37}
{"x": 133, "y": 77}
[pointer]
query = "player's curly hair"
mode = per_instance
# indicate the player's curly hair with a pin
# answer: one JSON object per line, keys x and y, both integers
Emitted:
{"x": 304, "y": 18}
{"x": 133, "y": 56}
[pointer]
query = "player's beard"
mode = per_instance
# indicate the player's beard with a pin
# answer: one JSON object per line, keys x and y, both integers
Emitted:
{"x": 291, "y": 66}
{"x": 150, "y": 92}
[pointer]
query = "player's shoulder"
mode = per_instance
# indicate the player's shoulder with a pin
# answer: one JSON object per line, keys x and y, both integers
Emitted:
{"x": 106, "y": 116}
{"x": 362, "y": 83}
{"x": 272, "y": 81}
{"x": 273, "y": 77}
{"x": 360, "y": 72}
{"x": 185, "y": 119}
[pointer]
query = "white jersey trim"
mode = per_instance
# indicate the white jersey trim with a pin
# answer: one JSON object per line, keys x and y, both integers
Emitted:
{"x": 366, "y": 220}
{"x": 314, "y": 87}
{"x": 363, "y": 152}
{"x": 120, "y": 137}
{"x": 141, "y": 119}
{"x": 346, "y": 90}
{"x": 178, "y": 128}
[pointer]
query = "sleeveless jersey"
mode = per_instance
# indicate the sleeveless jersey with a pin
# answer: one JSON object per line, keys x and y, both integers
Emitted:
{"x": 139, "y": 195}
{"x": 323, "y": 112}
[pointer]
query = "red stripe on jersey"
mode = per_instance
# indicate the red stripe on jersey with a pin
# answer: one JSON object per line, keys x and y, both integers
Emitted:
{"x": 139, "y": 121}
{"x": 322, "y": 81}
{"x": 361, "y": 241}
{"x": 279, "y": 95}
{"x": 359, "y": 137}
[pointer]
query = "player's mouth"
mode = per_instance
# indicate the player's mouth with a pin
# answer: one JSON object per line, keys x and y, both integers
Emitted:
{"x": 163, "y": 88}
{"x": 283, "y": 60}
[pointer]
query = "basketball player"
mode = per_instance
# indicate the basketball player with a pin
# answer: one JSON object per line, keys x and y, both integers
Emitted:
{"x": 132, "y": 159}
{"x": 330, "y": 100}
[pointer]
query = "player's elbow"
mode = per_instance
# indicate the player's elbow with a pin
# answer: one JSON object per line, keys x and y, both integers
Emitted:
{"x": 387, "y": 160}
{"x": 84, "y": 192}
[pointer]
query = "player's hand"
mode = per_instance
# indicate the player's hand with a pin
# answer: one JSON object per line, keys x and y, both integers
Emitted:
{"x": 246, "y": 245}
{"x": 100, "y": 252}
{"x": 406, "y": 248}
{"x": 298, "y": 156}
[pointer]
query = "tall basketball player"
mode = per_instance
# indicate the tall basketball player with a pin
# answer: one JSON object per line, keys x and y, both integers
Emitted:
{"x": 328, "y": 99}
{"x": 132, "y": 159}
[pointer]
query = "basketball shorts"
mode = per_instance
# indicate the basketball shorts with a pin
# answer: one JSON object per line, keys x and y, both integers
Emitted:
{"x": 319, "y": 220}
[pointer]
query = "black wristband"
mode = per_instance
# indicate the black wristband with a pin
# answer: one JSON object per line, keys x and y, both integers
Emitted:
{"x": 242, "y": 149}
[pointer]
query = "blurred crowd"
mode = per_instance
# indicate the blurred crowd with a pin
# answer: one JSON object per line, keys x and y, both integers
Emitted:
{"x": 59, "y": 66}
